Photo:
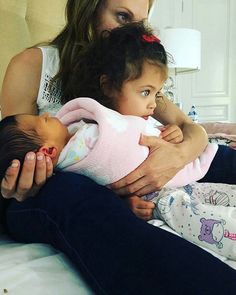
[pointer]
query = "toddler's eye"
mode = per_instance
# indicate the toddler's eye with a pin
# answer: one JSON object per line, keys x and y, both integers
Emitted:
{"x": 145, "y": 92}
{"x": 123, "y": 18}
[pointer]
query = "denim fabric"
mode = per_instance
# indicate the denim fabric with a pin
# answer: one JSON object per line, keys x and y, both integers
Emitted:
{"x": 223, "y": 167}
{"x": 116, "y": 252}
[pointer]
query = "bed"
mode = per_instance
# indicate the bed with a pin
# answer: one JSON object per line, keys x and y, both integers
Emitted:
{"x": 37, "y": 268}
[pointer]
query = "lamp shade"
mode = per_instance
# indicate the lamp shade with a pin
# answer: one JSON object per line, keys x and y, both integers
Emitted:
{"x": 184, "y": 46}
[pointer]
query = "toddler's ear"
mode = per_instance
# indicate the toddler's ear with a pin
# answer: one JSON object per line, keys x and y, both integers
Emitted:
{"x": 105, "y": 85}
{"x": 49, "y": 151}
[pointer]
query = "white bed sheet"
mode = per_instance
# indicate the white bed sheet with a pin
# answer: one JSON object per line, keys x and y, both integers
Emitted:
{"x": 39, "y": 269}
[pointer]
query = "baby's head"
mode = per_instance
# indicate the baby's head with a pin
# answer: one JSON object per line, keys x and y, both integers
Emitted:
{"x": 20, "y": 134}
{"x": 127, "y": 60}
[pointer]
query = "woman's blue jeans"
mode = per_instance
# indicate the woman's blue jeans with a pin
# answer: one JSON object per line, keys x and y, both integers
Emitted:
{"x": 223, "y": 167}
{"x": 116, "y": 252}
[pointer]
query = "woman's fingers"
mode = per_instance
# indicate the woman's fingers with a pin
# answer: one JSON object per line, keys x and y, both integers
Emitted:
{"x": 43, "y": 169}
{"x": 35, "y": 171}
{"x": 128, "y": 185}
{"x": 49, "y": 167}
{"x": 40, "y": 169}
{"x": 161, "y": 165}
{"x": 8, "y": 184}
{"x": 26, "y": 178}
{"x": 143, "y": 186}
{"x": 149, "y": 188}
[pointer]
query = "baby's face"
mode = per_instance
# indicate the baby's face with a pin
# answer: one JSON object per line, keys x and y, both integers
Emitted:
{"x": 49, "y": 129}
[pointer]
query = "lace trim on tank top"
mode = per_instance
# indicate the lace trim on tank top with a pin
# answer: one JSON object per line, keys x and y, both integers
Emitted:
{"x": 51, "y": 90}
{"x": 50, "y": 93}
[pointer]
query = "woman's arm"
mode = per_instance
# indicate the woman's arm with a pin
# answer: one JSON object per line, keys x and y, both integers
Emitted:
{"x": 18, "y": 95}
{"x": 21, "y": 83}
{"x": 165, "y": 159}
{"x": 195, "y": 137}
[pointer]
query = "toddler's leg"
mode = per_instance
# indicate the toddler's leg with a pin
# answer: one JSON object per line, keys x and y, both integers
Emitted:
{"x": 213, "y": 193}
{"x": 213, "y": 227}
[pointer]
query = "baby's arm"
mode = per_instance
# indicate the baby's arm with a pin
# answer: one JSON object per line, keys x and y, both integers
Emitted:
{"x": 141, "y": 208}
{"x": 172, "y": 133}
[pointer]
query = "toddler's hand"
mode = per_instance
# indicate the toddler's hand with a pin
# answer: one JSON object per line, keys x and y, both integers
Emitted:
{"x": 141, "y": 208}
{"x": 172, "y": 133}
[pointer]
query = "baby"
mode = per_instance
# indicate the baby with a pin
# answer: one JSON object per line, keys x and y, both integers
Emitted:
{"x": 90, "y": 139}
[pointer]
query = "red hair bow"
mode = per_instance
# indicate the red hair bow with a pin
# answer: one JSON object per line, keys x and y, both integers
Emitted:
{"x": 151, "y": 39}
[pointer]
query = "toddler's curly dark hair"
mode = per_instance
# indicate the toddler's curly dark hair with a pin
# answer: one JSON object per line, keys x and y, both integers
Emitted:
{"x": 118, "y": 55}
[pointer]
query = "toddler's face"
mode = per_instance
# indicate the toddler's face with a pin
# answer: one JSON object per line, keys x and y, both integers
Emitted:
{"x": 138, "y": 97}
{"x": 49, "y": 129}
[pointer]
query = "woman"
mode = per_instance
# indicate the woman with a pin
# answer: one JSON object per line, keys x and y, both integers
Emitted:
{"x": 22, "y": 84}
{"x": 116, "y": 252}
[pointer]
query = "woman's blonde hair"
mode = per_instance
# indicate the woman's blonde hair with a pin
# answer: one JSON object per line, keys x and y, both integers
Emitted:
{"x": 80, "y": 28}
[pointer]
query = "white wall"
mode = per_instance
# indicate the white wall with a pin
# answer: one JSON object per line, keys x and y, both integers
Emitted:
{"x": 213, "y": 89}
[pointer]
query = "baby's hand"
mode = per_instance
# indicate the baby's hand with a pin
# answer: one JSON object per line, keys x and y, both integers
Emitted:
{"x": 172, "y": 133}
{"x": 141, "y": 208}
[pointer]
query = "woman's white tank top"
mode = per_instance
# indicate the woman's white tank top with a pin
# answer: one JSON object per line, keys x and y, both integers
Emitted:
{"x": 49, "y": 95}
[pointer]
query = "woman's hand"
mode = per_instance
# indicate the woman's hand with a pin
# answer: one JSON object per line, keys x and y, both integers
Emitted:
{"x": 141, "y": 208}
{"x": 35, "y": 171}
{"x": 164, "y": 161}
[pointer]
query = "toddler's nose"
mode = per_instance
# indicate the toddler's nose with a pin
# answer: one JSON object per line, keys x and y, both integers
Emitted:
{"x": 153, "y": 105}
{"x": 45, "y": 115}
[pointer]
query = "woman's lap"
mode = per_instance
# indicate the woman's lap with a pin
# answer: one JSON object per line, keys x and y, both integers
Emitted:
{"x": 115, "y": 251}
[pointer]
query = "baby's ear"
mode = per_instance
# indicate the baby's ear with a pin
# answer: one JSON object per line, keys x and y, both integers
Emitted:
{"x": 49, "y": 151}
